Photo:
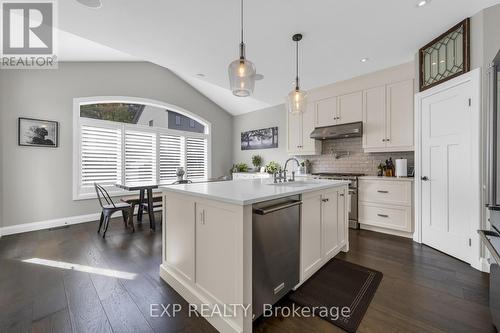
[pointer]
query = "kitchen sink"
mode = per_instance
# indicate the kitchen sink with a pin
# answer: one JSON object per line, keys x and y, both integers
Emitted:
{"x": 294, "y": 184}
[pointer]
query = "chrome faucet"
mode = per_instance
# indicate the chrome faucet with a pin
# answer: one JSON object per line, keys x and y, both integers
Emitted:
{"x": 279, "y": 176}
{"x": 293, "y": 172}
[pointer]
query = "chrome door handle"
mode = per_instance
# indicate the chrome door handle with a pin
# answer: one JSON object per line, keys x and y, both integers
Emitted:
{"x": 382, "y": 215}
{"x": 425, "y": 178}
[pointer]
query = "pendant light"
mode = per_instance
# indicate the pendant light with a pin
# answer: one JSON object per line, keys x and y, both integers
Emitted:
{"x": 297, "y": 99}
{"x": 242, "y": 71}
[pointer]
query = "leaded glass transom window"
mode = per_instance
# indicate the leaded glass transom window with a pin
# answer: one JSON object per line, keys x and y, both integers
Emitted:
{"x": 445, "y": 57}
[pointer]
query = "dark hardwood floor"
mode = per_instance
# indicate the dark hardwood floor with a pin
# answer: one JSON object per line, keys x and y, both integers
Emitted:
{"x": 422, "y": 290}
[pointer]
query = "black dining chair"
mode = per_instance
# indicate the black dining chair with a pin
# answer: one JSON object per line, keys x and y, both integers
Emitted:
{"x": 109, "y": 208}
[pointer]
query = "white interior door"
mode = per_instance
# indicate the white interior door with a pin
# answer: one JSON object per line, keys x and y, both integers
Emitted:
{"x": 447, "y": 174}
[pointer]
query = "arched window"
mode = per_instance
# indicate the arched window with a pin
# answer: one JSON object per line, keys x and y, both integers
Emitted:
{"x": 127, "y": 140}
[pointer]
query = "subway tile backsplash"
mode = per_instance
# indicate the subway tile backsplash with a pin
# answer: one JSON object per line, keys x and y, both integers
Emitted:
{"x": 357, "y": 161}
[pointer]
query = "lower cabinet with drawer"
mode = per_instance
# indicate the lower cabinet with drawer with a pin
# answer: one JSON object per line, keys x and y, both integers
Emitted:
{"x": 386, "y": 205}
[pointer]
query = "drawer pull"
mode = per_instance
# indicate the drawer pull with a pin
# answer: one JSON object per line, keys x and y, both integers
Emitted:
{"x": 380, "y": 191}
{"x": 325, "y": 200}
{"x": 383, "y": 215}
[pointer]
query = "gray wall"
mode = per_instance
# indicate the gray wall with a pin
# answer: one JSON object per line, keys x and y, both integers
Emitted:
{"x": 38, "y": 181}
{"x": 268, "y": 117}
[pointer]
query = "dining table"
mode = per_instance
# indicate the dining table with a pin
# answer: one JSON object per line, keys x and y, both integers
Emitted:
{"x": 145, "y": 198}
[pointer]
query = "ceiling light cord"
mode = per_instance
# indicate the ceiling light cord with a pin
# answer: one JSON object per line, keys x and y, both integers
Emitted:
{"x": 241, "y": 21}
{"x": 297, "y": 66}
{"x": 242, "y": 44}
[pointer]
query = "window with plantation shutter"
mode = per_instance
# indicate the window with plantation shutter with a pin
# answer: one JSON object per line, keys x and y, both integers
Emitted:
{"x": 140, "y": 156}
{"x": 100, "y": 156}
{"x": 196, "y": 158}
{"x": 171, "y": 157}
{"x": 123, "y": 141}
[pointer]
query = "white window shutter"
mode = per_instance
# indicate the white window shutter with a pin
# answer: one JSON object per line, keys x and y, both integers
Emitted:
{"x": 196, "y": 158}
{"x": 140, "y": 156}
{"x": 171, "y": 157}
{"x": 100, "y": 157}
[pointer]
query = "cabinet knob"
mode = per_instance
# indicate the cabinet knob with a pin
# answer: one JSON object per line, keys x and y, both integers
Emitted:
{"x": 387, "y": 140}
{"x": 341, "y": 194}
{"x": 425, "y": 178}
{"x": 383, "y": 140}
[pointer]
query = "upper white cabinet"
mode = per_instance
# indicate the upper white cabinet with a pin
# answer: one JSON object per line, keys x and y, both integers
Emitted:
{"x": 326, "y": 112}
{"x": 338, "y": 110}
{"x": 400, "y": 105}
{"x": 374, "y": 118}
{"x": 388, "y": 117}
{"x": 350, "y": 108}
{"x": 299, "y": 130}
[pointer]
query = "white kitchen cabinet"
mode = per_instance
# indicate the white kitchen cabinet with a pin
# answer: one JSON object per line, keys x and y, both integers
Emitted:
{"x": 338, "y": 110}
{"x": 330, "y": 221}
{"x": 400, "y": 119}
{"x": 326, "y": 112}
{"x": 343, "y": 219}
{"x": 386, "y": 205}
{"x": 324, "y": 228}
{"x": 374, "y": 119}
{"x": 310, "y": 247}
{"x": 294, "y": 132}
{"x": 299, "y": 130}
{"x": 215, "y": 262}
{"x": 388, "y": 118}
{"x": 350, "y": 108}
{"x": 179, "y": 251}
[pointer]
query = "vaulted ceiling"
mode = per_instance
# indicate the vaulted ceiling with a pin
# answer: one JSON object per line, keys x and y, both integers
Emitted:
{"x": 193, "y": 37}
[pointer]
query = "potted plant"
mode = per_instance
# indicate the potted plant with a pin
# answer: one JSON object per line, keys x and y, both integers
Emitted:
{"x": 272, "y": 167}
{"x": 257, "y": 162}
{"x": 240, "y": 167}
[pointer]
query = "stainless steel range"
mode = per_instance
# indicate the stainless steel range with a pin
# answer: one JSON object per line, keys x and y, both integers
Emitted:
{"x": 353, "y": 192}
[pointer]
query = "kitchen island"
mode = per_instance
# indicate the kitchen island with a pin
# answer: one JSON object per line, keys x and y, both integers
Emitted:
{"x": 207, "y": 240}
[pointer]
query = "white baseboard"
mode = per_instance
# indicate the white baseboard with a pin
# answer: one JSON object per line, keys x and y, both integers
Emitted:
{"x": 25, "y": 227}
{"x": 34, "y": 226}
{"x": 482, "y": 265}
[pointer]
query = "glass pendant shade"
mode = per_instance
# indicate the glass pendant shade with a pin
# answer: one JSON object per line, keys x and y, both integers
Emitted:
{"x": 297, "y": 101}
{"x": 242, "y": 77}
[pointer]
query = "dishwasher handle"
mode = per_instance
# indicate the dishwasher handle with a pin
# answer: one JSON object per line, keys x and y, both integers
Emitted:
{"x": 274, "y": 208}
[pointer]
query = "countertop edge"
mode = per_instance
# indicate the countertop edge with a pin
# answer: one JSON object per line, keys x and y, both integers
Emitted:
{"x": 253, "y": 201}
{"x": 392, "y": 179}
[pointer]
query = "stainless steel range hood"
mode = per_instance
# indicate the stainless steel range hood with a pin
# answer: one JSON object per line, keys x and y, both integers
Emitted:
{"x": 351, "y": 130}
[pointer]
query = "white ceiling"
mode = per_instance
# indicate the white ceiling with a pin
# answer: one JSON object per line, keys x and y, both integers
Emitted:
{"x": 75, "y": 48}
{"x": 200, "y": 36}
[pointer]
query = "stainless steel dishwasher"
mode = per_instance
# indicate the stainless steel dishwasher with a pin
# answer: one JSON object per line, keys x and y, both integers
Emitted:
{"x": 276, "y": 255}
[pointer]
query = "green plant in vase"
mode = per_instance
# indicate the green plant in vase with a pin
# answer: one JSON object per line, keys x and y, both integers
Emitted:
{"x": 272, "y": 167}
{"x": 257, "y": 162}
{"x": 241, "y": 167}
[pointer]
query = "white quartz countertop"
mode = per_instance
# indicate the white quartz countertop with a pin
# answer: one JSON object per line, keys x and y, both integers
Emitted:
{"x": 400, "y": 179}
{"x": 250, "y": 191}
